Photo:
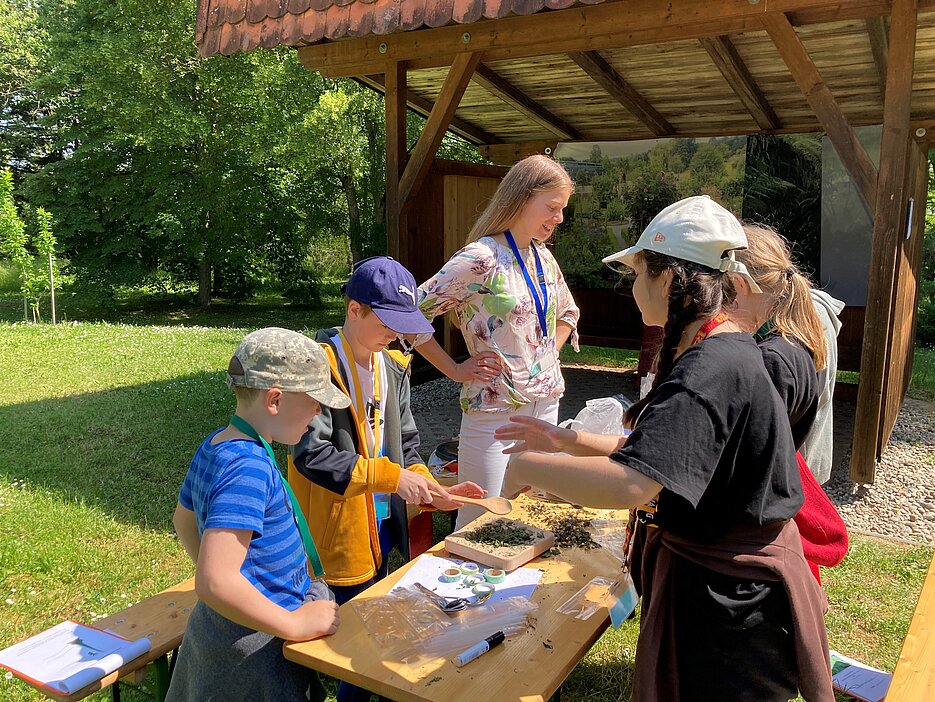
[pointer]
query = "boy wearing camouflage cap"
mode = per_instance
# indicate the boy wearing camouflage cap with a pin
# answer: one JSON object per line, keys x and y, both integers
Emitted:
{"x": 236, "y": 518}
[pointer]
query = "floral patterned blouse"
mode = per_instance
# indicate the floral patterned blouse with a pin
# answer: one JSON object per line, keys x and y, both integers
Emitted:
{"x": 484, "y": 286}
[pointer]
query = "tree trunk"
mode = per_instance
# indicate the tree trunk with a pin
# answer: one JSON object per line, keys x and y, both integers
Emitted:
{"x": 204, "y": 283}
{"x": 353, "y": 214}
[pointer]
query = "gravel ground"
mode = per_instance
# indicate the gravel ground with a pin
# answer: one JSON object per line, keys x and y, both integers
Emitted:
{"x": 899, "y": 504}
{"x": 901, "y": 501}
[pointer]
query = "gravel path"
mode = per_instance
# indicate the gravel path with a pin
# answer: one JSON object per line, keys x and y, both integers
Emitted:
{"x": 901, "y": 501}
{"x": 899, "y": 504}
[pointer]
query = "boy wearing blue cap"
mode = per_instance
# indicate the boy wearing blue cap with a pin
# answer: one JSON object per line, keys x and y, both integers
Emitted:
{"x": 355, "y": 469}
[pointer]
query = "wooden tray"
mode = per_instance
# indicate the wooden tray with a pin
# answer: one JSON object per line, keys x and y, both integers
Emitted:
{"x": 504, "y": 557}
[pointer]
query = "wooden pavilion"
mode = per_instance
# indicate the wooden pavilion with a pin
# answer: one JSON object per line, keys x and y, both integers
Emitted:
{"x": 517, "y": 76}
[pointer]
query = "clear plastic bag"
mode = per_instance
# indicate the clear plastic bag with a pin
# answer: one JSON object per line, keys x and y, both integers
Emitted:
{"x": 598, "y": 593}
{"x": 611, "y": 535}
{"x": 408, "y": 626}
{"x": 603, "y": 415}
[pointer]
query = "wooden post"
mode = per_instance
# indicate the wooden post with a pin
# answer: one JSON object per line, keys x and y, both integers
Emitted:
{"x": 891, "y": 198}
{"x": 52, "y": 288}
{"x": 819, "y": 97}
{"x": 459, "y": 75}
{"x": 395, "y": 106}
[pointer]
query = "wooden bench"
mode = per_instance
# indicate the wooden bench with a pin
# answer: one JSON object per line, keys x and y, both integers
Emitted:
{"x": 161, "y": 618}
{"x": 914, "y": 677}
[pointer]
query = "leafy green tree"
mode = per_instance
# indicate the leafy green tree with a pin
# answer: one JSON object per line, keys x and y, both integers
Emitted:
{"x": 173, "y": 173}
{"x": 25, "y": 143}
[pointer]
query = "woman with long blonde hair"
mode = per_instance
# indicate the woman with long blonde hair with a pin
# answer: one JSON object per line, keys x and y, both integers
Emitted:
{"x": 515, "y": 312}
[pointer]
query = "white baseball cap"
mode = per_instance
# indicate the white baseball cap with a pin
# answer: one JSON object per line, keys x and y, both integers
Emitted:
{"x": 695, "y": 229}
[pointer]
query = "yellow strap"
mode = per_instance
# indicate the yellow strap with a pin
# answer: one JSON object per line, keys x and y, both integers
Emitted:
{"x": 360, "y": 408}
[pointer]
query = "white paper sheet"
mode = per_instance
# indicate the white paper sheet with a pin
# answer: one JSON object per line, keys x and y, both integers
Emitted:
{"x": 858, "y": 680}
{"x": 427, "y": 570}
{"x": 70, "y": 656}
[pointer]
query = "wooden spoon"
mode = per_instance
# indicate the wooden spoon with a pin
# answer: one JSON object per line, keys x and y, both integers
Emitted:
{"x": 496, "y": 505}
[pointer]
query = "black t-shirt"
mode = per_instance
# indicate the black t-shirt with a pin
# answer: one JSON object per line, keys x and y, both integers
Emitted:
{"x": 716, "y": 437}
{"x": 792, "y": 370}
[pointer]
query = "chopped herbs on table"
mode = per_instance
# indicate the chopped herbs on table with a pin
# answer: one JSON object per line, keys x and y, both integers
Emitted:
{"x": 501, "y": 533}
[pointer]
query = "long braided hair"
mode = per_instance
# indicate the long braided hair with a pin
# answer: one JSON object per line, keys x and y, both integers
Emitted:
{"x": 697, "y": 292}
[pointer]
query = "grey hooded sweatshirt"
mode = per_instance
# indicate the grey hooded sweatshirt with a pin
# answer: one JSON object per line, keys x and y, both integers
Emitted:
{"x": 819, "y": 444}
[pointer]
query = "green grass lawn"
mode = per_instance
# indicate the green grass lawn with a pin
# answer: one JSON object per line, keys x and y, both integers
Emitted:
{"x": 100, "y": 421}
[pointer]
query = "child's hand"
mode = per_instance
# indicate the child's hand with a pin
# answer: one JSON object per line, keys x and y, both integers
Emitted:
{"x": 483, "y": 366}
{"x": 315, "y": 619}
{"x": 532, "y": 434}
{"x": 467, "y": 489}
{"x": 416, "y": 489}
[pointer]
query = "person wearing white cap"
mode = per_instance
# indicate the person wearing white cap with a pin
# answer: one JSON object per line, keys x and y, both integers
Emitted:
{"x": 730, "y": 610}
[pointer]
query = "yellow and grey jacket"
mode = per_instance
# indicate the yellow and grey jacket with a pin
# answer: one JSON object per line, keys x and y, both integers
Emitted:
{"x": 334, "y": 477}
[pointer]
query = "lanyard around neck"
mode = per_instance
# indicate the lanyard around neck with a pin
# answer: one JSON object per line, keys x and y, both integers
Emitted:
{"x": 360, "y": 408}
{"x": 297, "y": 514}
{"x": 709, "y": 326}
{"x": 542, "y": 305}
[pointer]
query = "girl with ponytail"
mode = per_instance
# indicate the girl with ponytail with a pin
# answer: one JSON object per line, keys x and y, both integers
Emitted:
{"x": 730, "y": 610}
{"x": 792, "y": 340}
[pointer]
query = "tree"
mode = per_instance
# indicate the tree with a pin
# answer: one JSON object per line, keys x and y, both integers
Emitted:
{"x": 173, "y": 175}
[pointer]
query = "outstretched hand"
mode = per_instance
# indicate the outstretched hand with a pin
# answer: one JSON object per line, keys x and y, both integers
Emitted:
{"x": 532, "y": 434}
{"x": 467, "y": 489}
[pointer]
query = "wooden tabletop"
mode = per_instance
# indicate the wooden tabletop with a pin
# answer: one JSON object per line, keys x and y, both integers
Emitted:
{"x": 527, "y": 667}
{"x": 914, "y": 677}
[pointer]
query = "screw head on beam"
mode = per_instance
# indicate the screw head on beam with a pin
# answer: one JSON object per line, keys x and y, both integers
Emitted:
{"x": 466, "y": 38}
{"x": 382, "y": 47}
{"x": 920, "y": 132}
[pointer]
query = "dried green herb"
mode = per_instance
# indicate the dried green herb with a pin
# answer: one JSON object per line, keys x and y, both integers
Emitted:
{"x": 571, "y": 532}
{"x": 502, "y": 532}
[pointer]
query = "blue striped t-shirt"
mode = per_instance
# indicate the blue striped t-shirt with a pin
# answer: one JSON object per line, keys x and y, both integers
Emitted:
{"x": 233, "y": 485}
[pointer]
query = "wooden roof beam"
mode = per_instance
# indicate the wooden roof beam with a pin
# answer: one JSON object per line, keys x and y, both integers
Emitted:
{"x": 602, "y": 73}
{"x": 879, "y": 46}
{"x": 423, "y": 153}
{"x": 608, "y": 25}
{"x": 421, "y": 106}
{"x": 826, "y": 109}
{"x": 724, "y": 55}
{"x": 501, "y": 88}
{"x": 510, "y": 153}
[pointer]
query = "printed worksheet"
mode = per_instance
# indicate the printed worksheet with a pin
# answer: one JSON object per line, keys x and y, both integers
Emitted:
{"x": 70, "y": 656}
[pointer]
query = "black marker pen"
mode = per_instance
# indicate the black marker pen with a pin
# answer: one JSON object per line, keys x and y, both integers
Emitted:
{"x": 479, "y": 649}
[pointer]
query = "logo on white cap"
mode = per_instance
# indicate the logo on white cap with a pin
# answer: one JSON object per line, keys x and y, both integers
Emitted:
{"x": 659, "y": 237}
{"x": 410, "y": 293}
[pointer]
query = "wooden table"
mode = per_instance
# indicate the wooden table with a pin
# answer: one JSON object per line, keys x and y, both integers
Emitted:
{"x": 914, "y": 677}
{"x": 528, "y": 667}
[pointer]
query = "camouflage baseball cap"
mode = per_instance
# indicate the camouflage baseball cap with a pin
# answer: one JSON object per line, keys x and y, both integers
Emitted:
{"x": 281, "y": 358}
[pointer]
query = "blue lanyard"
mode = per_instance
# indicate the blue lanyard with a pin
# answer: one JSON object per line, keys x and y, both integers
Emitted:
{"x": 543, "y": 304}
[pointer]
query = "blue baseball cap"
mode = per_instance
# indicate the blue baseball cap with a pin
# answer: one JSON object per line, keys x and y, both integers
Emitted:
{"x": 389, "y": 289}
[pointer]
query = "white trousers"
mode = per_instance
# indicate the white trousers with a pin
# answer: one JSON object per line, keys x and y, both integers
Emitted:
{"x": 480, "y": 457}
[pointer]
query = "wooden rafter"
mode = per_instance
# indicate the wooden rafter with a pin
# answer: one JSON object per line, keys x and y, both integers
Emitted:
{"x": 395, "y": 107}
{"x": 888, "y": 227}
{"x": 879, "y": 45}
{"x": 724, "y": 55}
{"x": 421, "y": 106}
{"x": 456, "y": 82}
{"x": 508, "y": 154}
{"x": 584, "y": 28}
{"x": 819, "y": 97}
{"x": 501, "y": 88}
{"x": 602, "y": 73}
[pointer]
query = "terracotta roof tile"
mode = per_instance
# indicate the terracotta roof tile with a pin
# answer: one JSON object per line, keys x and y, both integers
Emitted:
{"x": 232, "y": 26}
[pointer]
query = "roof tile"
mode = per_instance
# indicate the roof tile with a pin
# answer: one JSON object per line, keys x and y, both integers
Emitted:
{"x": 231, "y": 26}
